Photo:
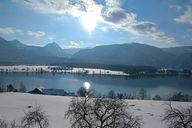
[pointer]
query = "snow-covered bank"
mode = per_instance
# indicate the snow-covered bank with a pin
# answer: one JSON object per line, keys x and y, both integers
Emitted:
{"x": 13, "y": 105}
{"x": 27, "y": 68}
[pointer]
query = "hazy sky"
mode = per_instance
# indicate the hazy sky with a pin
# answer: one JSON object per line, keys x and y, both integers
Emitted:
{"x": 88, "y": 23}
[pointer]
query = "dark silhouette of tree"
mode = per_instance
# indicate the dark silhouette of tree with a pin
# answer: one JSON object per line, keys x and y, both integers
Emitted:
{"x": 142, "y": 94}
{"x": 113, "y": 113}
{"x": 120, "y": 95}
{"x": 10, "y": 88}
{"x": 3, "y": 123}
{"x": 35, "y": 117}
{"x": 101, "y": 113}
{"x": 80, "y": 113}
{"x": 10, "y": 124}
{"x": 111, "y": 94}
{"x": 178, "y": 96}
{"x": 1, "y": 88}
{"x": 178, "y": 117}
{"x": 156, "y": 97}
{"x": 22, "y": 87}
{"x": 82, "y": 92}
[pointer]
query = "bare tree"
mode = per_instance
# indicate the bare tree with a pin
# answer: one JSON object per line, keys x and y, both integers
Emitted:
{"x": 101, "y": 113}
{"x": 82, "y": 92}
{"x": 3, "y": 123}
{"x": 35, "y": 117}
{"x": 80, "y": 113}
{"x": 14, "y": 124}
{"x": 178, "y": 117}
{"x": 113, "y": 113}
{"x": 142, "y": 94}
{"x": 7, "y": 124}
{"x": 111, "y": 94}
{"x": 22, "y": 87}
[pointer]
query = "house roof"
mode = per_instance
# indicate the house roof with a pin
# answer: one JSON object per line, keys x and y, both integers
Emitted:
{"x": 60, "y": 92}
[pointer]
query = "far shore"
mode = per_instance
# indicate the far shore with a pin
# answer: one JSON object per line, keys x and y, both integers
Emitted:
{"x": 91, "y": 71}
{"x": 58, "y": 69}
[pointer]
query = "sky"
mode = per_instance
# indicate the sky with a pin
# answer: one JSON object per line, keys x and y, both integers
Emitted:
{"x": 90, "y": 23}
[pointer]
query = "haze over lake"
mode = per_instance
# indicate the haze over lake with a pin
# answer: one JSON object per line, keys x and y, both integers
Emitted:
{"x": 100, "y": 83}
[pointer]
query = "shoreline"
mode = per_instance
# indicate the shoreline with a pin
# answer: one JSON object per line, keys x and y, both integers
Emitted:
{"x": 83, "y": 71}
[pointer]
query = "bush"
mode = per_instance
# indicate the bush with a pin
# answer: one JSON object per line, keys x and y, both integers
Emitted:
{"x": 178, "y": 96}
{"x": 157, "y": 97}
{"x": 178, "y": 117}
{"x": 35, "y": 117}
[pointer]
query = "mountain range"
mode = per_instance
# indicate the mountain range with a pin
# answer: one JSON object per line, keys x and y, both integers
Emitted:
{"x": 15, "y": 51}
{"x": 137, "y": 54}
{"x": 116, "y": 54}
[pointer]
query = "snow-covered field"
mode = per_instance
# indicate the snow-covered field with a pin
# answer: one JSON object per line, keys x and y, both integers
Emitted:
{"x": 27, "y": 68}
{"x": 13, "y": 105}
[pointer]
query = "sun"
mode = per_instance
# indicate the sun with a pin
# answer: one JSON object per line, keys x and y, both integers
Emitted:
{"x": 89, "y": 22}
{"x": 86, "y": 85}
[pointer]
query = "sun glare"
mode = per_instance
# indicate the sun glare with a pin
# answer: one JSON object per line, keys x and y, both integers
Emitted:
{"x": 86, "y": 85}
{"x": 89, "y": 22}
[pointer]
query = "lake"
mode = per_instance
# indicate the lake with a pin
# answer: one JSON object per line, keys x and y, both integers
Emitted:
{"x": 100, "y": 83}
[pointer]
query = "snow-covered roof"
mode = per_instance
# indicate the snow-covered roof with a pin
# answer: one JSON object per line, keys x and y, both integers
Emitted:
{"x": 59, "y": 92}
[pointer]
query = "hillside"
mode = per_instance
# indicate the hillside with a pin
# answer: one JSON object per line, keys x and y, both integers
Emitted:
{"x": 15, "y": 51}
{"x": 135, "y": 54}
{"x": 14, "y": 105}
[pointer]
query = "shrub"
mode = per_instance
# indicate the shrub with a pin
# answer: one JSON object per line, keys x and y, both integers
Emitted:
{"x": 178, "y": 117}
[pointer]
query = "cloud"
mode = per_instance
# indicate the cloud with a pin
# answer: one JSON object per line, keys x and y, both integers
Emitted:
{"x": 104, "y": 28}
{"x": 7, "y": 31}
{"x": 112, "y": 14}
{"x": 51, "y": 38}
{"x": 142, "y": 28}
{"x": 73, "y": 44}
{"x": 39, "y": 45}
{"x": 76, "y": 8}
{"x": 36, "y": 34}
{"x": 113, "y": 3}
{"x": 177, "y": 7}
{"x": 118, "y": 17}
{"x": 149, "y": 29}
{"x": 46, "y": 6}
{"x": 186, "y": 17}
{"x": 19, "y": 31}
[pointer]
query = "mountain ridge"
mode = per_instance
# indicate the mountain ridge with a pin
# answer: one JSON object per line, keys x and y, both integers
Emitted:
{"x": 117, "y": 54}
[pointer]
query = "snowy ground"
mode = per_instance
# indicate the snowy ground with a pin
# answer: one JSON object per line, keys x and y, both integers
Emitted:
{"x": 26, "y": 68}
{"x": 13, "y": 105}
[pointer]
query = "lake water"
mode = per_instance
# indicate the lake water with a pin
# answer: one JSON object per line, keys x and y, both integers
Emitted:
{"x": 101, "y": 84}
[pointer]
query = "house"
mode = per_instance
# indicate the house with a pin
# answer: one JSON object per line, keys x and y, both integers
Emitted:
{"x": 57, "y": 92}
{"x": 71, "y": 94}
{"x": 36, "y": 91}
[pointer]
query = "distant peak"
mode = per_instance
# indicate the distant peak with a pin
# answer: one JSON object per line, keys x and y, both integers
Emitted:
{"x": 15, "y": 41}
{"x": 2, "y": 39}
{"x": 53, "y": 45}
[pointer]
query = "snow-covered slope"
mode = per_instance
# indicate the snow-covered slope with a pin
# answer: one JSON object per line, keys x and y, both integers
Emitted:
{"x": 13, "y": 105}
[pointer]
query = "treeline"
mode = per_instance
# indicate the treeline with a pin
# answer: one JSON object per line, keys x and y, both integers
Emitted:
{"x": 124, "y": 68}
{"x": 142, "y": 94}
{"x": 11, "y": 88}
